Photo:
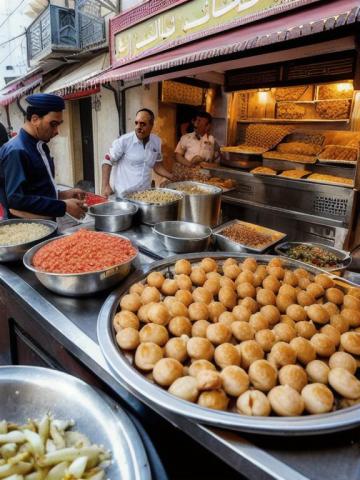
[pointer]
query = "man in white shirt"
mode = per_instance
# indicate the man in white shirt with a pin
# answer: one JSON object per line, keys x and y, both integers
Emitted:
{"x": 128, "y": 166}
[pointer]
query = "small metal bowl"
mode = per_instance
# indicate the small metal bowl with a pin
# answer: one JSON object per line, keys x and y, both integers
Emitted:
{"x": 79, "y": 284}
{"x": 113, "y": 216}
{"x": 181, "y": 237}
{"x": 12, "y": 253}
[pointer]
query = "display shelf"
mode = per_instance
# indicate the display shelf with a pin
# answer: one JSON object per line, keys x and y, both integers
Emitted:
{"x": 294, "y": 120}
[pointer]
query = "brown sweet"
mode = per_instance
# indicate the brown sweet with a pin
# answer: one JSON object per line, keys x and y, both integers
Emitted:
{"x": 200, "y": 348}
{"x": 218, "y": 333}
{"x": 182, "y": 267}
{"x": 131, "y": 302}
{"x": 294, "y": 376}
{"x": 226, "y": 354}
{"x": 176, "y": 348}
{"x": 318, "y": 398}
{"x": 215, "y": 399}
{"x": 253, "y": 403}
{"x": 166, "y": 371}
{"x": 128, "y": 338}
{"x": 235, "y": 380}
{"x": 263, "y": 375}
{"x": 151, "y": 332}
{"x": 185, "y": 388}
{"x": 286, "y": 401}
{"x": 155, "y": 279}
{"x": 125, "y": 319}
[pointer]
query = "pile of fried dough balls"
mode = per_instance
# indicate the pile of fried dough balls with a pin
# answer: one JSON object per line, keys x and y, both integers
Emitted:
{"x": 256, "y": 339}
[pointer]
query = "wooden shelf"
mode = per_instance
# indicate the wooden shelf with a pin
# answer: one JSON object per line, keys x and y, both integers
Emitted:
{"x": 294, "y": 120}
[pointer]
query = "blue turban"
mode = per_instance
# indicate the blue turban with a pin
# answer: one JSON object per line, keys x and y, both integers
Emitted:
{"x": 46, "y": 102}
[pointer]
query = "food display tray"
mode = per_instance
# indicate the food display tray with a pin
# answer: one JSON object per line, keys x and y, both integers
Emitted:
{"x": 228, "y": 245}
{"x": 31, "y": 392}
{"x": 137, "y": 383}
{"x": 328, "y": 182}
{"x": 341, "y": 162}
{"x": 344, "y": 257}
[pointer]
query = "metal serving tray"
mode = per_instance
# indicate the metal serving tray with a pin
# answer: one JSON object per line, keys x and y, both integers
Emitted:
{"x": 344, "y": 257}
{"x": 143, "y": 388}
{"x": 226, "y": 244}
{"x": 31, "y": 392}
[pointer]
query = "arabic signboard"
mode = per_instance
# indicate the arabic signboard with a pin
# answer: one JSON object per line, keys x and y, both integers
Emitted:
{"x": 190, "y": 21}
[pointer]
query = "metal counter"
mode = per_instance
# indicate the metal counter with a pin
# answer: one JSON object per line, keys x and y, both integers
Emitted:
{"x": 72, "y": 322}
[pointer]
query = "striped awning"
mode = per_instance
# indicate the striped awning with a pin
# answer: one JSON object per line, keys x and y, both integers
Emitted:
{"x": 10, "y": 93}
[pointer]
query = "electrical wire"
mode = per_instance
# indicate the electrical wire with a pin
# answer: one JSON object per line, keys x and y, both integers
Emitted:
{"x": 7, "y": 18}
{"x": 11, "y": 39}
{"x": 12, "y": 51}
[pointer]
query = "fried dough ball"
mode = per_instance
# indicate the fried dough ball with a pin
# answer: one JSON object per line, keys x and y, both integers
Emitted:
{"x": 290, "y": 278}
{"x": 208, "y": 265}
{"x": 200, "y": 348}
{"x": 241, "y": 313}
{"x": 198, "y": 276}
{"x": 323, "y": 344}
{"x": 142, "y": 313}
{"x": 283, "y": 354}
{"x": 277, "y": 272}
{"x": 289, "y": 291}
{"x": 131, "y": 302}
{"x": 198, "y": 311}
{"x": 232, "y": 271}
{"x": 305, "y": 351}
{"x": 227, "y": 282}
{"x": 158, "y": 313}
{"x": 296, "y": 312}
{"x": 180, "y": 325}
{"x": 317, "y": 313}
{"x": 183, "y": 267}
{"x": 331, "y": 308}
{"x": 261, "y": 270}
{"x": 229, "y": 261}
{"x": 202, "y": 295}
{"x": 303, "y": 282}
{"x": 318, "y": 371}
{"x": 212, "y": 285}
{"x": 271, "y": 313}
{"x": 265, "y": 338}
{"x": 258, "y": 321}
{"x": 250, "y": 352}
{"x": 169, "y": 287}
{"x": 147, "y": 355}
{"x": 286, "y": 401}
{"x": 331, "y": 332}
{"x": 343, "y": 360}
{"x": 226, "y": 318}
{"x": 258, "y": 279}
{"x": 218, "y": 333}
{"x": 137, "y": 288}
{"x": 324, "y": 280}
{"x": 128, "y": 338}
{"x": 125, "y": 319}
{"x": 318, "y": 398}
{"x": 355, "y": 292}
{"x": 253, "y": 403}
{"x": 250, "y": 304}
{"x": 301, "y": 273}
{"x": 215, "y": 399}
{"x": 315, "y": 290}
{"x": 155, "y": 279}
{"x": 216, "y": 309}
{"x": 183, "y": 282}
{"x": 178, "y": 309}
{"x": 176, "y": 348}
{"x": 227, "y": 297}
{"x": 263, "y": 375}
{"x": 226, "y": 354}
{"x": 198, "y": 366}
{"x": 334, "y": 295}
{"x": 344, "y": 383}
{"x": 184, "y": 296}
{"x": 185, "y": 388}
{"x": 246, "y": 289}
{"x": 271, "y": 283}
{"x": 284, "y": 332}
{"x": 294, "y": 376}
{"x": 199, "y": 328}
{"x": 150, "y": 294}
{"x": 245, "y": 277}
{"x": 209, "y": 380}
{"x": 249, "y": 264}
{"x": 151, "y": 332}
{"x": 350, "y": 341}
{"x": 287, "y": 320}
{"x": 166, "y": 371}
{"x": 352, "y": 316}
{"x": 283, "y": 302}
{"x": 242, "y": 331}
{"x": 305, "y": 329}
{"x": 235, "y": 380}
{"x": 169, "y": 300}
{"x": 265, "y": 296}
{"x": 351, "y": 302}
{"x": 305, "y": 299}
{"x": 276, "y": 262}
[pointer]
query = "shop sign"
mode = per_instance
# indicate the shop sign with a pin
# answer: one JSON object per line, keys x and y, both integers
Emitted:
{"x": 190, "y": 21}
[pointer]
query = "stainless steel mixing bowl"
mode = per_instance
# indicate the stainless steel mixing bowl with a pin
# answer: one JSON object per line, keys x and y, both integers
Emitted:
{"x": 181, "y": 237}
{"x": 113, "y": 216}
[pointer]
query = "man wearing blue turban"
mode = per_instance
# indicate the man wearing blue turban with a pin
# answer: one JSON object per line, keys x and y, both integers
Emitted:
{"x": 27, "y": 173}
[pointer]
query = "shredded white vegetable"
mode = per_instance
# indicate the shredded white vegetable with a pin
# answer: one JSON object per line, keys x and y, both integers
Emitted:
{"x": 17, "y": 233}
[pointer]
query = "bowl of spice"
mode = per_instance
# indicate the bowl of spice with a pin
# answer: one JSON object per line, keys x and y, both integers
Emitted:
{"x": 82, "y": 263}
{"x": 18, "y": 235}
{"x": 156, "y": 204}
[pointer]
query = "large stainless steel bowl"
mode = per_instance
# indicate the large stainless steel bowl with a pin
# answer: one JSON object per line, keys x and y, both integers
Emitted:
{"x": 113, "y": 216}
{"x": 11, "y": 253}
{"x": 31, "y": 392}
{"x": 201, "y": 208}
{"x": 182, "y": 237}
{"x": 152, "y": 213}
{"x": 79, "y": 284}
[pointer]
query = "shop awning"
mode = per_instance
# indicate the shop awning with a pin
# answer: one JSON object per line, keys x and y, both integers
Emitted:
{"x": 317, "y": 19}
{"x": 18, "y": 89}
{"x": 78, "y": 77}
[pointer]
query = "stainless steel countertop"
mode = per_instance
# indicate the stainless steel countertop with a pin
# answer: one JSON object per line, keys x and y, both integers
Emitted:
{"x": 72, "y": 322}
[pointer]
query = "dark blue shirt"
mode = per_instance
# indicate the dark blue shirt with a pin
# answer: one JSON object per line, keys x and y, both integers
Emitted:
{"x": 25, "y": 183}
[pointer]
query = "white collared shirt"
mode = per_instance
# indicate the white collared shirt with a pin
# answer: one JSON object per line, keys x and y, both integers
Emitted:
{"x": 190, "y": 145}
{"x": 132, "y": 163}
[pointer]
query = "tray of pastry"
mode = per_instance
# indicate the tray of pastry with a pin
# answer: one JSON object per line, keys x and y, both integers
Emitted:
{"x": 290, "y": 157}
{"x": 184, "y": 336}
{"x": 330, "y": 179}
{"x": 264, "y": 171}
{"x": 340, "y": 154}
{"x": 239, "y": 236}
{"x": 245, "y": 149}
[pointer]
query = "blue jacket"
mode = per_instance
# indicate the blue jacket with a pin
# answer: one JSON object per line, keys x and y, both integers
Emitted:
{"x": 25, "y": 183}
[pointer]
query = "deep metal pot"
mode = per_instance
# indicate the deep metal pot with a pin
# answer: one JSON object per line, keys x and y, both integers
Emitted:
{"x": 201, "y": 208}
{"x": 113, "y": 216}
{"x": 182, "y": 237}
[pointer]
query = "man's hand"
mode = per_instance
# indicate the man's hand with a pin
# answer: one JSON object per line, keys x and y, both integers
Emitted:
{"x": 75, "y": 207}
{"x": 196, "y": 159}
{"x": 72, "y": 193}
{"x": 107, "y": 191}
